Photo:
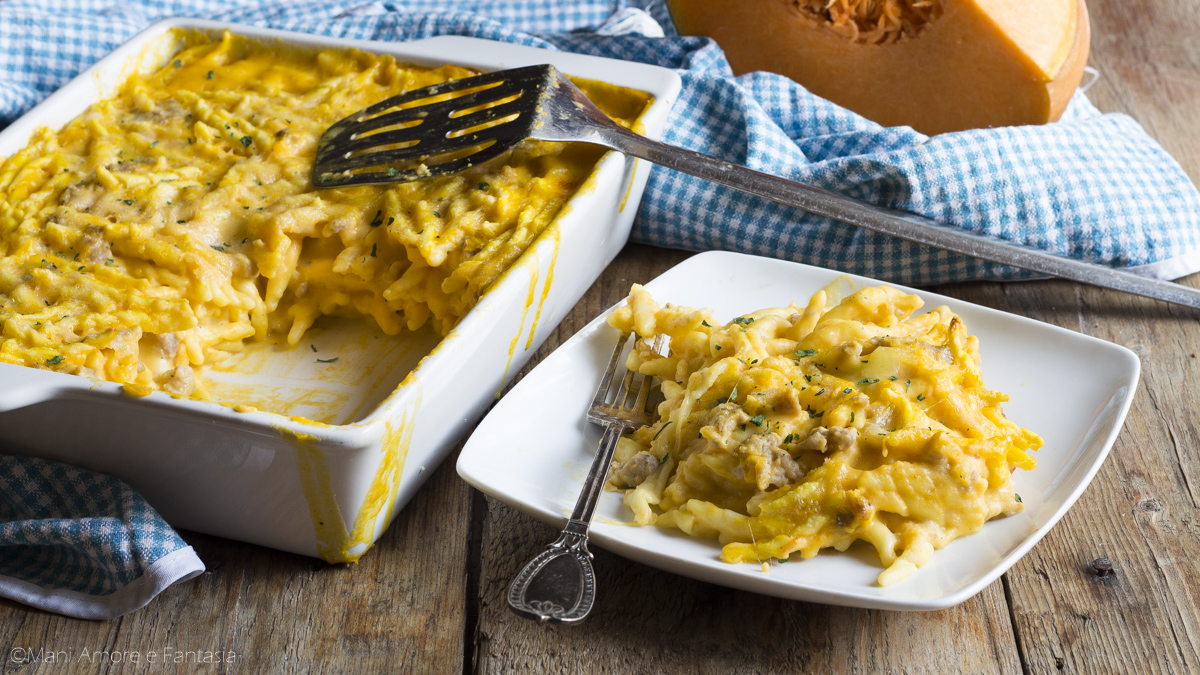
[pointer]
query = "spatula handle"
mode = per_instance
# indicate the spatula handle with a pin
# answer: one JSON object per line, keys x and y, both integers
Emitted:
{"x": 895, "y": 223}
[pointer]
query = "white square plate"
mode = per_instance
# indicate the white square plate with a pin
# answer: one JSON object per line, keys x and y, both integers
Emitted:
{"x": 533, "y": 449}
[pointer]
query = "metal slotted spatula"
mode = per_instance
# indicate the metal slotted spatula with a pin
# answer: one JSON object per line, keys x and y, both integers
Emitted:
{"x": 455, "y": 125}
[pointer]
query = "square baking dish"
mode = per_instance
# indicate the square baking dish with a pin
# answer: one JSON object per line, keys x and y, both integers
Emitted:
{"x": 346, "y": 443}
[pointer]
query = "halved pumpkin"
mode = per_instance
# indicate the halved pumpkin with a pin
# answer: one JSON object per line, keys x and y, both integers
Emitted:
{"x": 934, "y": 65}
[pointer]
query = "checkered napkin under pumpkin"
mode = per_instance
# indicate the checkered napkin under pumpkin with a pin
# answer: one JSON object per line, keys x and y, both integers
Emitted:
{"x": 82, "y": 543}
{"x": 1091, "y": 186}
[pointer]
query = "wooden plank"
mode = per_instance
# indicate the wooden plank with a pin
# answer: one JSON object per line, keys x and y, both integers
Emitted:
{"x": 1149, "y": 63}
{"x": 401, "y": 608}
{"x": 36, "y": 642}
{"x": 1140, "y": 511}
{"x": 651, "y": 621}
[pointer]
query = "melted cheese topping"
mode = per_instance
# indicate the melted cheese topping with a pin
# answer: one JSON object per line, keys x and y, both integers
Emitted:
{"x": 161, "y": 229}
{"x": 795, "y": 429}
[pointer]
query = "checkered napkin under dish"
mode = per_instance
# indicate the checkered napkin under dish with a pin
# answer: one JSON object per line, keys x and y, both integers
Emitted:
{"x": 82, "y": 543}
{"x": 1092, "y": 186}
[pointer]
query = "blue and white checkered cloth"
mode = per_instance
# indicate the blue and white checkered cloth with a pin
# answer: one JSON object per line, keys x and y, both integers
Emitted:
{"x": 82, "y": 543}
{"x": 1091, "y": 186}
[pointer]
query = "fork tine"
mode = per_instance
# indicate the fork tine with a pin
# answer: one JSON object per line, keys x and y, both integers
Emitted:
{"x": 601, "y": 396}
{"x": 643, "y": 396}
{"x": 623, "y": 390}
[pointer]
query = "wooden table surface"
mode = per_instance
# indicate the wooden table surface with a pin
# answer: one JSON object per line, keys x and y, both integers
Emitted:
{"x": 430, "y": 596}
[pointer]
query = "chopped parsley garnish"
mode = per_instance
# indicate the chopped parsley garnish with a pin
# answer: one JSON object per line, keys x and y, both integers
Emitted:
{"x": 660, "y": 433}
{"x": 892, "y": 378}
{"x": 178, "y": 63}
{"x": 179, "y": 222}
{"x": 483, "y": 186}
{"x": 391, "y": 220}
{"x": 333, "y": 360}
{"x": 56, "y": 360}
{"x": 866, "y": 380}
{"x": 210, "y": 74}
{"x": 437, "y": 215}
{"x": 246, "y": 141}
{"x": 847, "y": 390}
{"x": 392, "y": 173}
{"x": 920, "y": 397}
{"x": 314, "y": 347}
{"x": 733, "y": 394}
{"x": 128, "y": 202}
{"x": 705, "y": 323}
{"x": 851, "y": 417}
{"x": 378, "y": 219}
{"x": 744, "y": 321}
{"x": 109, "y": 261}
{"x": 791, "y": 437}
{"x": 801, "y": 353}
{"x": 717, "y": 347}
{"x": 907, "y": 385}
{"x": 758, "y": 420}
{"x": 1018, "y": 498}
{"x": 217, "y": 248}
{"x": 373, "y": 250}
{"x": 666, "y": 456}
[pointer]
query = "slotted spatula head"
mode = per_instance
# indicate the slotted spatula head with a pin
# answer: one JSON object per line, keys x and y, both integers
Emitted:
{"x": 436, "y": 130}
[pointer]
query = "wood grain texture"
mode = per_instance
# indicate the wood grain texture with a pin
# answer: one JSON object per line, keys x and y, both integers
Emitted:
{"x": 1139, "y": 511}
{"x": 430, "y": 596}
{"x": 649, "y": 621}
{"x": 400, "y": 609}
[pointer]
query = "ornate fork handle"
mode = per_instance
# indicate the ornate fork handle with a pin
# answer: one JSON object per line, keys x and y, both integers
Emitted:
{"x": 559, "y": 586}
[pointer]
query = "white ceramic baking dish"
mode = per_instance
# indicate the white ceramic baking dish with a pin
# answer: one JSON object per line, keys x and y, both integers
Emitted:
{"x": 346, "y": 443}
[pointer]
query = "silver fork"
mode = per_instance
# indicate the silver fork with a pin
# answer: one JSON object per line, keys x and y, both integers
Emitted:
{"x": 399, "y": 139}
{"x": 559, "y": 586}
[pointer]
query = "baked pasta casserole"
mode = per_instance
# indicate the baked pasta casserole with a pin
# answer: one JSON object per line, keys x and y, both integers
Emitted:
{"x": 789, "y": 430}
{"x": 165, "y": 227}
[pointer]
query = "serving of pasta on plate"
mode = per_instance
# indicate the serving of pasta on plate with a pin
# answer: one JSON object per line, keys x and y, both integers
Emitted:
{"x": 789, "y": 430}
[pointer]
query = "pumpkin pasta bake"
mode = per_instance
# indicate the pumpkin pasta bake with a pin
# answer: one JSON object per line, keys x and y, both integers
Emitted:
{"x": 789, "y": 430}
{"x": 165, "y": 227}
